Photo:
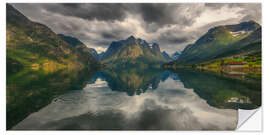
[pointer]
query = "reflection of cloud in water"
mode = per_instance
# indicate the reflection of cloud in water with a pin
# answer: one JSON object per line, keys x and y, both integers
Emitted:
{"x": 98, "y": 83}
{"x": 170, "y": 106}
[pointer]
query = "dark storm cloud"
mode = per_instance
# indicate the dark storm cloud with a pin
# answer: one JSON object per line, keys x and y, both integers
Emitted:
{"x": 108, "y": 35}
{"x": 99, "y": 11}
{"x": 161, "y": 14}
{"x": 99, "y": 24}
{"x": 113, "y": 34}
{"x": 158, "y": 14}
{"x": 172, "y": 41}
{"x": 171, "y": 38}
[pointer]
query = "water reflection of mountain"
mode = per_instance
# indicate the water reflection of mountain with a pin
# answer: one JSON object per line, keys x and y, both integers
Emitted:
{"x": 132, "y": 80}
{"x": 97, "y": 107}
{"x": 218, "y": 91}
{"x": 29, "y": 91}
{"x": 223, "y": 92}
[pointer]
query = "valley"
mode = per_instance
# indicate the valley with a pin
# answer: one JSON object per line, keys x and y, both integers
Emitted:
{"x": 58, "y": 81}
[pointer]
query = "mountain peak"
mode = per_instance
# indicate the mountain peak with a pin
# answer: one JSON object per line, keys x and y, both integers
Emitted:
{"x": 166, "y": 56}
{"x": 155, "y": 46}
{"x": 131, "y": 38}
{"x": 249, "y": 22}
{"x": 243, "y": 26}
{"x": 131, "y": 51}
{"x": 249, "y": 25}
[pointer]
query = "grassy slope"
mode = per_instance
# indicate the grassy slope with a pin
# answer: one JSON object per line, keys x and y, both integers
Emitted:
{"x": 40, "y": 66}
{"x": 219, "y": 40}
{"x": 250, "y": 55}
{"x": 212, "y": 54}
{"x": 34, "y": 45}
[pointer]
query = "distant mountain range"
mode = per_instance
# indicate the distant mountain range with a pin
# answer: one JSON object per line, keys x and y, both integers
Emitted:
{"x": 174, "y": 56}
{"x": 34, "y": 45}
{"x": 222, "y": 41}
{"x": 40, "y": 46}
{"x": 31, "y": 44}
{"x": 129, "y": 49}
{"x": 133, "y": 51}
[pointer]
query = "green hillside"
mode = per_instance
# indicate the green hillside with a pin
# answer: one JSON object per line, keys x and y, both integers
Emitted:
{"x": 32, "y": 45}
{"x": 222, "y": 45}
{"x": 40, "y": 66}
{"x": 220, "y": 40}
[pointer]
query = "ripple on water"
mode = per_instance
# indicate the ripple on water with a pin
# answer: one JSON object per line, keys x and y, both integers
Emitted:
{"x": 107, "y": 101}
{"x": 74, "y": 97}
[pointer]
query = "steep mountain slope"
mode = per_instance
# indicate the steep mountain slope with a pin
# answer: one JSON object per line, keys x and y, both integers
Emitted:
{"x": 100, "y": 55}
{"x": 79, "y": 45}
{"x": 166, "y": 56}
{"x": 221, "y": 40}
{"x": 96, "y": 55}
{"x": 71, "y": 40}
{"x": 133, "y": 51}
{"x": 34, "y": 45}
{"x": 250, "y": 44}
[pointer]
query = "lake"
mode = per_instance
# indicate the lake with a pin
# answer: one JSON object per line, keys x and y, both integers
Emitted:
{"x": 129, "y": 99}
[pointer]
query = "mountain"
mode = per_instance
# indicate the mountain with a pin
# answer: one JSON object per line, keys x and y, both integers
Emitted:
{"x": 176, "y": 55}
{"x": 221, "y": 41}
{"x": 94, "y": 53}
{"x": 166, "y": 56}
{"x": 216, "y": 89}
{"x": 97, "y": 55}
{"x": 78, "y": 44}
{"x": 32, "y": 45}
{"x": 101, "y": 55}
{"x": 70, "y": 40}
{"x": 133, "y": 51}
{"x": 133, "y": 81}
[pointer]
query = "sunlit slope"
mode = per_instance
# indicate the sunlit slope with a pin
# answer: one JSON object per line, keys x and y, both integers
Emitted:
{"x": 221, "y": 41}
{"x": 35, "y": 46}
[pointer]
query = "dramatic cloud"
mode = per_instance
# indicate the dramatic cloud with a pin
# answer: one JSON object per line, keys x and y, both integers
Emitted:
{"x": 160, "y": 14}
{"x": 173, "y": 26}
{"x": 101, "y": 12}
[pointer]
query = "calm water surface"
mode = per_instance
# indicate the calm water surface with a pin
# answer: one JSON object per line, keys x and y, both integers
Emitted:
{"x": 148, "y": 99}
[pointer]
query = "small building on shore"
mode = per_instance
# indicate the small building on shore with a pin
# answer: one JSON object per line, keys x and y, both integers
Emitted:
{"x": 235, "y": 64}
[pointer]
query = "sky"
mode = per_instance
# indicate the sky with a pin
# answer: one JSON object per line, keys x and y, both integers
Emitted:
{"x": 173, "y": 26}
